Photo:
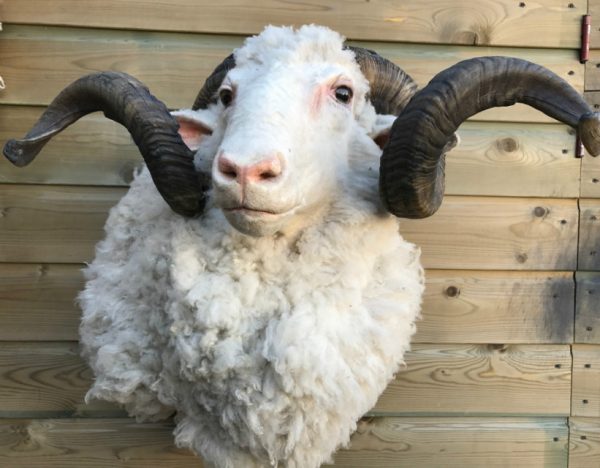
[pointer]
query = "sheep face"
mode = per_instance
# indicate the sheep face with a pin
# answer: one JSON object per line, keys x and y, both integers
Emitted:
{"x": 281, "y": 130}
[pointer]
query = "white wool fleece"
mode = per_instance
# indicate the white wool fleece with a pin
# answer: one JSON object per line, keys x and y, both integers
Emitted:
{"x": 268, "y": 349}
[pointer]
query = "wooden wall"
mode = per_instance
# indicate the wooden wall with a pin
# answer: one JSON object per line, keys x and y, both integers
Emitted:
{"x": 505, "y": 370}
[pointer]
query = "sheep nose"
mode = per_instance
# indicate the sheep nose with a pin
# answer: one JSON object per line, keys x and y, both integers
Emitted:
{"x": 265, "y": 170}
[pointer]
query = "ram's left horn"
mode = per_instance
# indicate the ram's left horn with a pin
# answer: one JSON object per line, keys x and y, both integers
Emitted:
{"x": 127, "y": 101}
{"x": 412, "y": 165}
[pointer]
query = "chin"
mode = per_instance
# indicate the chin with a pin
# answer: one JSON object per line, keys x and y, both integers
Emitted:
{"x": 256, "y": 223}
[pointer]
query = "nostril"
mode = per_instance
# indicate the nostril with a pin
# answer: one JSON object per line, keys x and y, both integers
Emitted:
{"x": 265, "y": 170}
{"x": 227, "y": 168}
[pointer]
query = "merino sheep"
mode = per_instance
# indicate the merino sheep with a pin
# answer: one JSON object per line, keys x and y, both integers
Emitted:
{"x": 254, "y": 282}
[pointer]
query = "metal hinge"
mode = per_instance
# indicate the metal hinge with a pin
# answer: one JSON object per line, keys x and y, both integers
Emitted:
{"x": 586, "y": 29}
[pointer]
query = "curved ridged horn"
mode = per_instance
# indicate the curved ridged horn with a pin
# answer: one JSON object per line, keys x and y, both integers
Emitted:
{"x": 125, "y": 100}
{"x": 412, "y": 165}
{"x": 391, "y": 87}
{"x": 207, "y": 95}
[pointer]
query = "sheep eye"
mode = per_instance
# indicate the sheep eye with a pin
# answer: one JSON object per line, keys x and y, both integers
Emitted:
{"x": 226, "y": 96}
{"x": 343, "y": 94}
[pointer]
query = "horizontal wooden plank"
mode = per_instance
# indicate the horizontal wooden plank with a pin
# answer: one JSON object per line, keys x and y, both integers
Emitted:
{"x": 378, "y": 443}
{"x": 537, "y": 159}
{"x": 481, "y": 379}
{"x": 459, "y": 306}
{"x": 47, "y": 380}
{"x": 50, "y": 380}
{"x": 589, "y": 234}
{"x": 52, "y": 223}
{"x": 457, "y": 443}
{"x": 584, "y": 447}
{"x": 104, "y": 443}
{"x": 503, "y": 159}
{"x": 498, "y": 233}
{"x": 546, "y": 23}
{"x": 37, "y": 302}
{"x": 587, "y": 319}
{"x": 497, "y": 307}
{"x": 586, "y": 381}
{"x": 38, "y": 62}
{"x": 58, "y": 224}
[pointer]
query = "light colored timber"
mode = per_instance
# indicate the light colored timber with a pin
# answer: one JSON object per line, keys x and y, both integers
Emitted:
{"x": 492, "y": 158}
{"x": 497, "y": 307}
{"x": 38, "y": 301}
{"x": 497, "y": 233}
{"x": 589, "y": 234}
{"x": 59, "y": 224}
{"x": 592, "y": 66}
{"x": 481, "y": 379}
{"x": 459, "y": 306}
{"x": 42, "y": 379}
{"x": 545, "y": 23}
{"x": 52, "y": 223}
{"x": 98, "y": 443}
{"x": 584, "y": 448}
{"x": 590, "y": 167}
{"x": 586, "y": 381}
{"x": 587, "y": 318}
{"x": 174, "y": 66}
{"x": 378, "y": 443}
{"x": 457, "y": 443}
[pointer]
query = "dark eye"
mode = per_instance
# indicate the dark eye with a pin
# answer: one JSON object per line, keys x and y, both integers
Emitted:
{"x": 343, "y": 94}
{"x": 226, "y": 96}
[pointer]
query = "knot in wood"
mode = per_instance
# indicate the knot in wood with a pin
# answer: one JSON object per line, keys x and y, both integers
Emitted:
{"x": 540, "y": 211}
{"x": 508, "y": 145}
{"x": 452, "y": 291}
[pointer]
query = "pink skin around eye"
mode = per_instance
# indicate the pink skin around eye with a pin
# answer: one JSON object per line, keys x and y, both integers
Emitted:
{"x": 324, "y": 91}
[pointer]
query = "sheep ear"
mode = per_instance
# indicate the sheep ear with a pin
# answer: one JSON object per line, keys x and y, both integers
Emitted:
{"x": 381, "y": 132}
{"x": 194, "y": 126}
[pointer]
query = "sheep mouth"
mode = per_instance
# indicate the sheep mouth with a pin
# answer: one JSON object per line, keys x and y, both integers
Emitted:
{"x": 249, "y": 211}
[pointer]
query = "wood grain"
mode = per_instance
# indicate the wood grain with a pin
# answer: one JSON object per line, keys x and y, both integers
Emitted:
{"x": 497, "y": 233}
{"x": 41, "y": 379}
{"x": 378, "y": 443}
{"x": 104, "y": 443}
{"x": 497, "y": 307}
{"x": 482, "y": 379}
{"x": 52, "y": 224}
{"x": 592, "y": 67}
{"x": 545, "y": 23}
{"x": 58, "y": 224}
{"x": 38, "y": 62}
{"x": 590, "y": 166}
{"x": 536, "y": 159}
{"x": 584, "y": 447}
{"x": 589, "y": 234}
{"x": 37, "y": 302}
{"x": 457, "y": 443}
{"x": 587, "y": 319}
{"x": 586, "y": 381}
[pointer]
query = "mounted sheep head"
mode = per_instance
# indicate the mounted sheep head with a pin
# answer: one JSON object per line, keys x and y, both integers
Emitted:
{"x": 312, "y": 100}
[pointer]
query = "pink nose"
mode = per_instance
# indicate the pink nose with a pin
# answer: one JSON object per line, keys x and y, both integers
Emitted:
{"x": 266, "y": 170}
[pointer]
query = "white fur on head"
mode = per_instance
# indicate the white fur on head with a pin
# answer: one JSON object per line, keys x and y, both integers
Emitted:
{"x": 284, "y": 107}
